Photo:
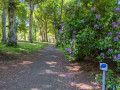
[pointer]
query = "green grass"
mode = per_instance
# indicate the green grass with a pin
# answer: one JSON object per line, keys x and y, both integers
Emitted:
{"x": 61, "y": 48}
{"x": 23, "y": 47}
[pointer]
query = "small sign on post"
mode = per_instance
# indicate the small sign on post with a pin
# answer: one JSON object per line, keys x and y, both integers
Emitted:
{"x": 104, "y": 67}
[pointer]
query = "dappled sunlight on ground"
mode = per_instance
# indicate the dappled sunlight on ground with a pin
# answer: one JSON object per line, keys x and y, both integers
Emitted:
{"x": 46, "y": 86}
{"x": 83, "y": 86}
{"x": 26, "y": 62}
{"x": 62, "y": 75}
{"x": 4, "y": 67}
{"x": 51, "y": 62}
{"x": 34, "y": 89}
{"x": 14, "y": 65}
{"x": 86, "y": 86}
{"x": 74, "y": 76}
{"x": 73, "y": 68}
{"x": 54, "y": 56}
{"x": 50, "y": 72}
{"x": 47, "y": 71}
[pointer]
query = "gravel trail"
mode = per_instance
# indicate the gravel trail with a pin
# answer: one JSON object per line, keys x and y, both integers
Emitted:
{"x": 46, "y": 69}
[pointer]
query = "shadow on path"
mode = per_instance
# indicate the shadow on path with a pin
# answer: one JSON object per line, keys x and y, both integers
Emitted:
{"x": 46, "y": 69}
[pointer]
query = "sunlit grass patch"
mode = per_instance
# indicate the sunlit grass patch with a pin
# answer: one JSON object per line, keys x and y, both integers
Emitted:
{"x": 23, "y": 47}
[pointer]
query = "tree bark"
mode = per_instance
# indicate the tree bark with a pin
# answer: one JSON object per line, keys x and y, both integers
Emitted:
{"x": 35, "y": 34}
{"x": 4, "y": 39}
{"x": 46, "y": 37}
{"x": 12, "y": 24}
{"x": 24, "y": 36}
{"x": 61, "y": 9}
{"x": 41, "y": 32}
{"x": 30, "y": 20}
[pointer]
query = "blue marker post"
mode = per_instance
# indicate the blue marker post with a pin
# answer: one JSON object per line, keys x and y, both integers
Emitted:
{"x": 104, "y": 67}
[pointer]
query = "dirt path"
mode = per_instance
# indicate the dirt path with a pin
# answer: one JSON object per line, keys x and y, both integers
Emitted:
{"x": 46, "y": 69}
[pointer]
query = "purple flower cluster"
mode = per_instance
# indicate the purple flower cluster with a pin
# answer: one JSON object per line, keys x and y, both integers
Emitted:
{"x": 118, "y": 33}
{"x": 74, "y": 31}
{"x": 113, "y": 23}
{"x": 72, "y": 44}
{"x": 97, "y": 16}
{"x": 115, "y": 26}
{"x": 63, "y": 27}
{"x": 102, "y": 54}
{"x": 71, "y": 55}
{"x": 93, "y": 9}
{"x": 60, "y": 31}
{"x": 95, "y": 26}
{"x": 55, "y": 22}
{"x": 116, "y": 38}
{"x": 73, "y": 11}
{"x": 110, "y": 51}
{"x": 73, "y": 39}
{"x": 110, "y": 33}
{"x": 118, "y": 22}
{"x": 73, "y": 36}
{"x": 117, "y": 57}
{"x": 83, "y": 21}
{"x": 68, "y": 49}
{"x": 117, "y": 9}
{"x": 67, "y": 9}
{"x": 68, "y": 29}
{"x": 78, "y": 5}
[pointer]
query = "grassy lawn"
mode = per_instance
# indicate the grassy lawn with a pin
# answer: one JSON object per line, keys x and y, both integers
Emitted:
{"x": 23, "y": 47}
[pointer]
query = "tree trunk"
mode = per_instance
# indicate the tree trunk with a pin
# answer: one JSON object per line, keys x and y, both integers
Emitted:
{"x": 24, "y": 36}
{"x": 4, "y": 39}
{"x": 46, "y": 37}
{"x": 16, "y": 37}
{"x": 61, "y": 9}
{"x": 41, "y": 32}
{"x": 35, "y": 34}
{"x": 30, "y": 21}
{"x": 55, "y": 36}
{"x": 12, "y": 24}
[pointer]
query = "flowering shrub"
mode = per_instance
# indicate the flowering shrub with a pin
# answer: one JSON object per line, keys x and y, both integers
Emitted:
{"x": 86, "y": 32}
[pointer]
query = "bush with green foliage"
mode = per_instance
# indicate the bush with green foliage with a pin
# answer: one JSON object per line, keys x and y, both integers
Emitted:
{"x": 90, "y": 32}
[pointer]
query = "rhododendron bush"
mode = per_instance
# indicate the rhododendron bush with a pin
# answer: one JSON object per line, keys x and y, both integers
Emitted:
{"x": 91, "y": 32}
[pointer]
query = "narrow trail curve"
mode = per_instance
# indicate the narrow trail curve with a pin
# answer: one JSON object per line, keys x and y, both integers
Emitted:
{"x": 47, "y": 69}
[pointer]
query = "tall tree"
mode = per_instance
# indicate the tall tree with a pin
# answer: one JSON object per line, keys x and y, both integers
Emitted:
{"x": 4, "y": 39}
{"x": 31, "y": 6}
{"x": 32, "y": 3}
{"x": 46, "y": 36}
{"x": 12, "y": 23}
{"x": 61, "y": 9}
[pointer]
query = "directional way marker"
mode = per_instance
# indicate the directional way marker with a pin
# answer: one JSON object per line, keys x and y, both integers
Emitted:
{"x": 104, "y": 67}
